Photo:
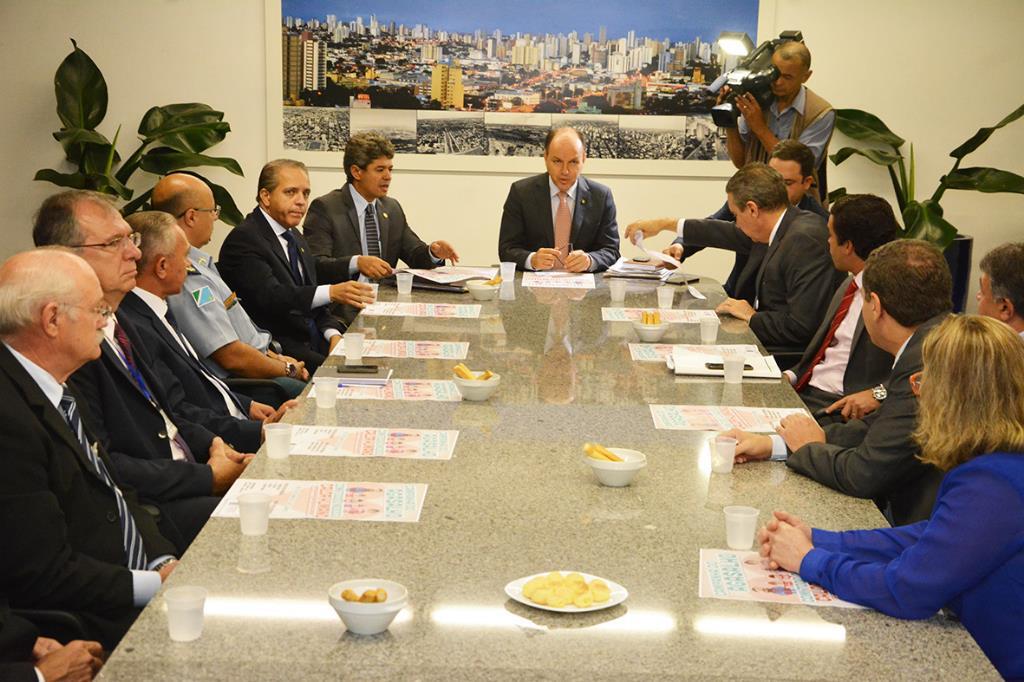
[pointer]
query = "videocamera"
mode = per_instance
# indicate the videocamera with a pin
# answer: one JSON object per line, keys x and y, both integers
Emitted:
{"x": 754, "y": 75}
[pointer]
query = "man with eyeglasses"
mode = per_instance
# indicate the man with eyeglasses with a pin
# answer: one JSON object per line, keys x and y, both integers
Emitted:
{"x": 1001, "y": 289}
{"x": 208, "y": 312}
{"x": 157, "y": 441}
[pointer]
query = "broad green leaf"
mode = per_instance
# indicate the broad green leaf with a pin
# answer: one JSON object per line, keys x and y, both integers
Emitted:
{"x": 162, "y": 161}
{"x": 157, "y": 119}
{"x": 979, "y": 138}
{"x": 984, "y": 180}
{"x": 860, "y": 125}
{"x": 72, "y": 180}
{"x": 137, "y": 204}
{"x": 879, "y": 156}
{"x": 229, "y": 212}
{"x": 185, "y": 127}
{"x": 81, "y": 91}
{"x": 76, "y": 142}
{"x": 836, "y": 193}
{"x": 923, "y": 220}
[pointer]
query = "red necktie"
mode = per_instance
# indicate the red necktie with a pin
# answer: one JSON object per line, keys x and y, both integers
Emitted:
{"x": 844, "y": 307}
{"x": 563, "y": 224}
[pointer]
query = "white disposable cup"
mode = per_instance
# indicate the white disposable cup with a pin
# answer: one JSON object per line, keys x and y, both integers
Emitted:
{"x": 617, "y": 287}
{"x": 404, "y": 280}
{"x": 374, "y": 287}
{"x": 185, "y": 612}
{"x": 353, "y": 346}
{"x": 254, "y": 512}
{"x": 665, "y": 295}
{"x": 508, "y": 271}
{"x": 740, "y": 525}
{"x": 709, "y": 330}
{"x": 507, "y": 291}
{"x": 723, "y": 454}
{"x": 326, "y": 391}
{"x": 279, "y": 440}
{"x": 733, "y": 368}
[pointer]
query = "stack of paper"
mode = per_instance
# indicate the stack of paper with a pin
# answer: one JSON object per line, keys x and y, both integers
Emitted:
{"x": 629, "y": 268}
{"x": 707, "y": 361}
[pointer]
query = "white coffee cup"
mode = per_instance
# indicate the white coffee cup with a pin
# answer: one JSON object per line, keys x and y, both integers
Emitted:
{"x": 326, "y": 391}
{"x": 353, "y": 347}
{"x": 666, "y": 294}
{"x": 279, "y": 440}
{"x": 185, "y": 612}
{"x": 723, "y": 454}
{"x": 617, "y": 287}
{"x": 740, "y": 526}
{"x": 254, "y": 512}
{"x": 733, "y": 368}
{"x": 709, "y": 330}
{"x": 404, "y": 281}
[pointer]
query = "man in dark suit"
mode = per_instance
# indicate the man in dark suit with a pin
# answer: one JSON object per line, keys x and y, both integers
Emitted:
{"x": 789, "y": 268}
{"x": 144, "y": 423}
{"x": 358, "y": 231}
{"x": 72, "y": 538}
{"x": 842, "y": 373}
{"x": 560, "y": 219}
{"x": 267, "y": 261}
{"x": 907, "y": 292}
{"x": 162, "y": 269}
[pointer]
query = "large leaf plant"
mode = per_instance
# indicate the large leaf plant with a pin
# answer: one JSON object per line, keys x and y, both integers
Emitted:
{"x": 921, "y": 219}
{"x": 171, "y": 137}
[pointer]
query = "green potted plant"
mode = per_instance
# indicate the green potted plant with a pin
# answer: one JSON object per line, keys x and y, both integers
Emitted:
{"x": 924, "y": 219}
{"x": 171, "y": 137}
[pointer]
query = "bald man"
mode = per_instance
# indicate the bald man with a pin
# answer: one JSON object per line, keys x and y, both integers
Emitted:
{"x": 560, "y": 220}
{"x": 208, "y": 312}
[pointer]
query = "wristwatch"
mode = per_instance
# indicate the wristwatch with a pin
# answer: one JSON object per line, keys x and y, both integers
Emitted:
{"x": 289, "y": 368}
{"x": 879, "y": 393}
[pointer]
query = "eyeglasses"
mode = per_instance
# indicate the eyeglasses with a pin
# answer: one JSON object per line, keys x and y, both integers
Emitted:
{"x": 215, "y": 211}
{"x": 119, "y": 242}
{"x": 103, "y": 310}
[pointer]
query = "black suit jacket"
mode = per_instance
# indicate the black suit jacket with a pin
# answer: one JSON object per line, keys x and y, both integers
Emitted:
{"x": 131, "y": 430}
{"x": 877, "y": 457}
{"x": 332, "y": 230}
{"x": 173, "y": 365}
{"x": 793, "y": 280}
{"x": 253, "y": 263}
{"x": 868, "y": 364}
{"x": 59, "y": 526}
{"x": 17, "y": 638}
{"x": 526, "y": 223}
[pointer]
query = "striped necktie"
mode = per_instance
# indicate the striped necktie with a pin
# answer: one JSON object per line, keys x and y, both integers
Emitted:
{"x": 134, "y": 550}
{"x": 372, "y": 232}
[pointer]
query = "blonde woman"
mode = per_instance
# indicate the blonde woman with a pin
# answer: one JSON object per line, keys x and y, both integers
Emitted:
{"x": 969, "y": 556}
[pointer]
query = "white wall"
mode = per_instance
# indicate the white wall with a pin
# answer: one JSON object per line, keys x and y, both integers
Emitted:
{"x": 934, "y": 70}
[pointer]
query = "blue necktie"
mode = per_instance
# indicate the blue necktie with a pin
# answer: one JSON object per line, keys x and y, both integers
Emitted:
{"x": 372, "y": 232}
{"x": 315, "y": 338}
{"x": 207, "y": 374}
{"x": 134, "y": 550}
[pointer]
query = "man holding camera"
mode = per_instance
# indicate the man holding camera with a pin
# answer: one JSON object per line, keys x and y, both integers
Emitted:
{"x": 796, "y": 113}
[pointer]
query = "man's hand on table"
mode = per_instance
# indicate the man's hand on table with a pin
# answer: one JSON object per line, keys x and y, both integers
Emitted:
{"x": 545, "y": 259}
{"x": 738, "y": 308}
{"x": 227, "y": 465}
{"x": 442, "y": 250}
{"x": 77, "y": 661}
{"x": 785, "y": 540}
{"x": 373, "y": 267}
{"x": 798, "y": 430}
{"x": 577, "y": 261}
{"x": 856, "y": 405}
{"x": 353, "y": 293}
{"x": 750, "y": 447}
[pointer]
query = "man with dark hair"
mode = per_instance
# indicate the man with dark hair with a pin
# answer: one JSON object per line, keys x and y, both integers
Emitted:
{"x": 789, "y": 269}
{"x": 841, "y": 369}
{"x": 358, "y": 231}
{"x": 267, "y": 261}
{"x": 1001, "y": 290}
{"x": 907, "y": 292}
{"x": 560, "y": 219}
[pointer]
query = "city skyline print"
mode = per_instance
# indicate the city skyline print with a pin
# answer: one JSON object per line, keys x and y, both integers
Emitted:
{"x": 490, "y": 79}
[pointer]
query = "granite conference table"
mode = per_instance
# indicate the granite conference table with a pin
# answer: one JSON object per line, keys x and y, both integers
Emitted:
{"x": 517, "y": 499}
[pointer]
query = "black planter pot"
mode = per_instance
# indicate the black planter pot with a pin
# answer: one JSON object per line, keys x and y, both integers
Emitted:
{"x": 958, "y": 256}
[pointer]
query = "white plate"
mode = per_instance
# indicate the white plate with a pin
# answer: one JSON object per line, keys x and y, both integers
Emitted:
{"x": 618, "y": 593}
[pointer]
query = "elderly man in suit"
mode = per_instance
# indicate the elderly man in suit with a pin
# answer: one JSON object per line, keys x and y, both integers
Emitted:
{"x": 73, "y": 539}
{"x": 792, "y": 274}
{"x": 268, "y": 262}
{"x": 841, "y": 373}
{"x": 907, "y": 292}
{"x": 1001, "y": 286}
{"x": 358, "y": 231}
{"x": 560, "y": 219}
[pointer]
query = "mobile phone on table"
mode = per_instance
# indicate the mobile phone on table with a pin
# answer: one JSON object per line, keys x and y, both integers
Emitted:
{"x": 719, "y": 365}
{"x": 357, "y": 369}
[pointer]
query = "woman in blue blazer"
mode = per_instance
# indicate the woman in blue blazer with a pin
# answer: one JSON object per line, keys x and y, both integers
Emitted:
{"x": 969, "y": 556}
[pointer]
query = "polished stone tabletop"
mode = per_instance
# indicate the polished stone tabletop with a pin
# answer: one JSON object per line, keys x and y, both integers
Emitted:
{"x": 517, "y": 499}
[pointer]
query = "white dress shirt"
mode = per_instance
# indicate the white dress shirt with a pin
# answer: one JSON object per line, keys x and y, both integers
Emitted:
{"x": 828, "y": 374}
{"x": 555, "y": 201}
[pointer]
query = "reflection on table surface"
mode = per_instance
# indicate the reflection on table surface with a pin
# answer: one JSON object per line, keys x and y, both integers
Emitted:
{"x": 518, "y": 499}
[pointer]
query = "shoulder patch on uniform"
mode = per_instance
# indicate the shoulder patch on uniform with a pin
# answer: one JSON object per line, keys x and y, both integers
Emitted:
{"x": 202, "y": 296}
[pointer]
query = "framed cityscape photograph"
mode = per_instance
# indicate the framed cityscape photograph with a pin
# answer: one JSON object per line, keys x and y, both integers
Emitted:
{"x": 471, "y": 86}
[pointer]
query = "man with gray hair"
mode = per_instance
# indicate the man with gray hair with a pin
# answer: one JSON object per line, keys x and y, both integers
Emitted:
{"x": 1001, "y": 290}
{"x": 358, "y": 231}
{"x": 73, "y": 537}
{"x": 268, "y": 262}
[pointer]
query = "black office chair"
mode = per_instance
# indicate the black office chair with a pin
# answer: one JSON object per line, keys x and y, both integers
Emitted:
{"x": 62, "y": 626}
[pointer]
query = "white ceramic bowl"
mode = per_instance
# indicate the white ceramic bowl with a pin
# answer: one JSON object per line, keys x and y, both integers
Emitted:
{"x": 475, "y": 389}
{"x": 618, "y": 474}
{"x": 650, "y": 333}
{"x": 481, "y": 291}
{"x": 372, "y": 618}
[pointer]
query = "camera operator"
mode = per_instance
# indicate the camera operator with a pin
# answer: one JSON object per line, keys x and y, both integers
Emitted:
{"x": 796, "y": 113}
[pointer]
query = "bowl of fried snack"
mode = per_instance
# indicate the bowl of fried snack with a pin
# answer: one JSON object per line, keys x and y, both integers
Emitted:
{"x": 473, "y": 385}
{"x": 649, "y": 327}
{"x": 367, "y": 606}
{"x": 614, "y": 467}
{"x": 484, "y": 291}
